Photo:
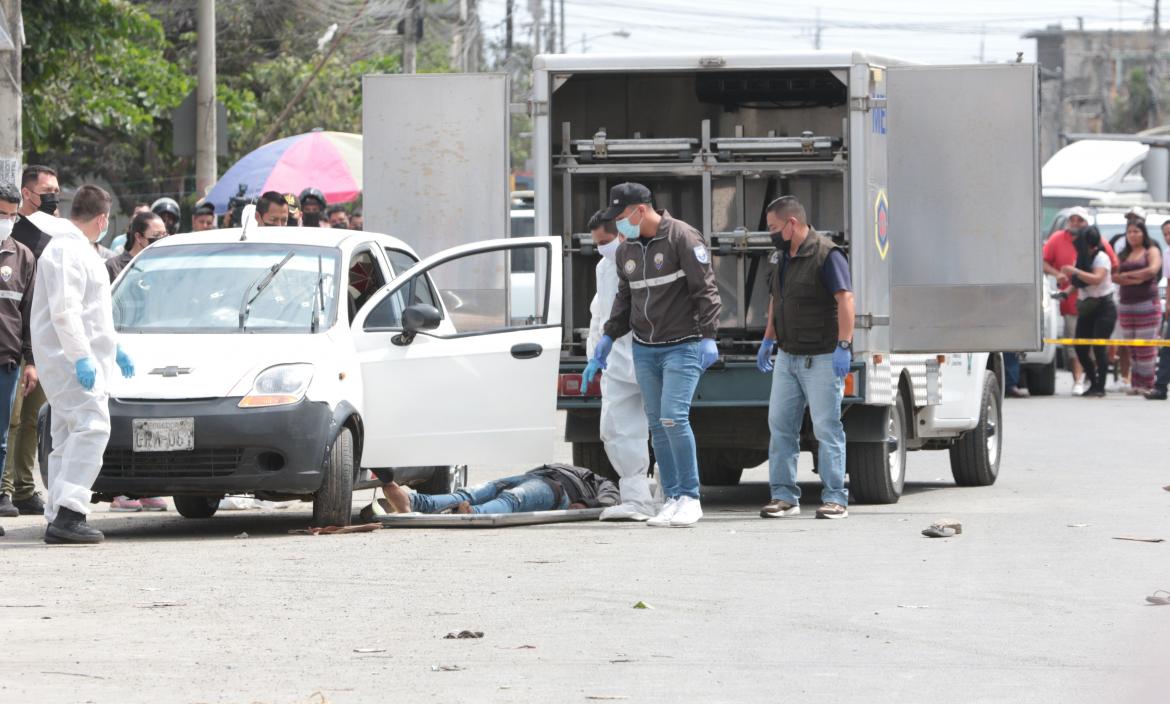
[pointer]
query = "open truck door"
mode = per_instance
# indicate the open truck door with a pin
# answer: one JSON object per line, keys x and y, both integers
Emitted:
{"x": 458, "y": 365}
{"x": 964, "y": 183}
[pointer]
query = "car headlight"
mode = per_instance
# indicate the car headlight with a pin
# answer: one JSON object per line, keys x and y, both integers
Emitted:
{"x": 279, "y": 386}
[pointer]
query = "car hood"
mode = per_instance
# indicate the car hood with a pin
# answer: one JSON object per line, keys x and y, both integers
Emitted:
{"x": 175, "y": 366}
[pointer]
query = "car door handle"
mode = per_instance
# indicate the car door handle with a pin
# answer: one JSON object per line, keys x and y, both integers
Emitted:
{"x": 527, "y": 350}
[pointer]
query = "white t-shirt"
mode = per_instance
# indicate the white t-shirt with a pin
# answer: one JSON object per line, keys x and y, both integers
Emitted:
{"x": 1105, "y": 288}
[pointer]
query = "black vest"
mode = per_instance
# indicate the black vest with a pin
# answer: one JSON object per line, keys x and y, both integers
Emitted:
{"x": 804, "y": 311}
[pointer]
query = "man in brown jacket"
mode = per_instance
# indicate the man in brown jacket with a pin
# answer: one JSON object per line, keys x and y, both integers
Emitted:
{"x": 668, "y": 300}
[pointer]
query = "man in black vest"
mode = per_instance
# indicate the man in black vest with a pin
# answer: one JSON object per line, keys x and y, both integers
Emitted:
{"x": 810, "y": 319}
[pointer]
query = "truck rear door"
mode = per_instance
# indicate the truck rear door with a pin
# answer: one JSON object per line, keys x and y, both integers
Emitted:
{"x": 963, "y": 206}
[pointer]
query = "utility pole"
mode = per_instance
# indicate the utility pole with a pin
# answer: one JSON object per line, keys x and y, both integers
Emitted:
{"x": 410, "y": 47}
{"x": 10, "y": 96}
{"x": 817, "y": 31}
{"x": 206, "y": 172}
{"x": 562, "y": 26}
{"x": 1155, "y": 37}
{"x": 552, "y": 26}
{"x": 536, "y": 9}
{"x": 509, "y": 8}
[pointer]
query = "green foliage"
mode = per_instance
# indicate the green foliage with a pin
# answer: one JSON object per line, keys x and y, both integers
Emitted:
{"x": 1131, "y": 109}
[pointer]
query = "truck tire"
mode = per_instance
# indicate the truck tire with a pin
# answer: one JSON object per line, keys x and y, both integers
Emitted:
{"x": 196, "y": 506}
{"x": 333, "y": 502}
{"x": 591, "y": 455}
{"x": 975, "y": 454}
{"x": 877, "y": 470}
{"x": 444, "y": 480}
{"x": 1042, "y": 379}
{"x": 719, "y": 467}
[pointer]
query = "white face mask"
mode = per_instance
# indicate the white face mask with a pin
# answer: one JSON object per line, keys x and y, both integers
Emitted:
{"x": 609, "y": 249}
{"x": 6, "y": 227}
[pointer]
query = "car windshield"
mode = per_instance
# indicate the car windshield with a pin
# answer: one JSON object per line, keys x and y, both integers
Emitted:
{"x": 205, "y": 288}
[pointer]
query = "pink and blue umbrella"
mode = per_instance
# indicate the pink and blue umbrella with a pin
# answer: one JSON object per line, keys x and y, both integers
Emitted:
{"x": 328, "y": 161}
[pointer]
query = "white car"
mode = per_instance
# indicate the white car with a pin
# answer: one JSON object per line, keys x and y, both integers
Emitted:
{"x": 290, "y": 363}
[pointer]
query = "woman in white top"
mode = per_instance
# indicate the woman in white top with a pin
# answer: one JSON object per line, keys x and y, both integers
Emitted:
{"x": 1096, "y": 311}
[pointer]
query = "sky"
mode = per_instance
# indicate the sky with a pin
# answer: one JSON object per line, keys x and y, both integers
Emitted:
{"x": 943, "y": 31}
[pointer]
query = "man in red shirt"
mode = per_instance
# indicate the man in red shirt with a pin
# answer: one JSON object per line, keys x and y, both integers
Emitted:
{"x": 1059, "y": 250}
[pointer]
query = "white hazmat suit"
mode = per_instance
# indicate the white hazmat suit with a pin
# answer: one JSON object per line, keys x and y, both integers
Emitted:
{"x": 72, "y": 318}
{"x": 624, "y": 429}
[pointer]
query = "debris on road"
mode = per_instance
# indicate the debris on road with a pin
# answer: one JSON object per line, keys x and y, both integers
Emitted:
{"x": 160, "y": 605}
{"x": 337, "y": 530}
{"x": 241, "y": 536}
{"x": 463, "y": 635}
{"x": 912, "y": 606}
{"x": 369, "y": 650}
{"x": 605, "y": 697}
{"x": 446, "y": 668}
{"x": 937, "y": 531}
{"x": 1156, "y": 600}
{"x": 1137, "y": 539}
{"x": 1078, "y": 525}
{"x": 642, "y": 605}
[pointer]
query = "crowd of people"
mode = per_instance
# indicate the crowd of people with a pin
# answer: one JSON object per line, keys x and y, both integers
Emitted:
{"x": 74, "y": 323}
{"x": 1108, "y": 292}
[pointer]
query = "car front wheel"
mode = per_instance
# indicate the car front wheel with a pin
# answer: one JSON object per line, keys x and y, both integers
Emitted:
{"x": 333, "y": 502}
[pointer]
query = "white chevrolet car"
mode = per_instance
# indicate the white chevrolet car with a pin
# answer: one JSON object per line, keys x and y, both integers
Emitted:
{"x": 289, "y": 363}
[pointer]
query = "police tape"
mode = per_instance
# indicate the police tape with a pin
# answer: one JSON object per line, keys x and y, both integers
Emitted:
{"x": 1095, "y": 342}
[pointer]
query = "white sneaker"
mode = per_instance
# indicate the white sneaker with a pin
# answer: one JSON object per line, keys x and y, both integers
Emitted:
{"x": 687, "y": 513}
{"x": 664, "y": 516}
{"x": 625, "y": 512}
{"x": 1078, "y": 388}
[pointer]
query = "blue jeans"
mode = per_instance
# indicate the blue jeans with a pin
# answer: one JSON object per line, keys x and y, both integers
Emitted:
{"x": 1011, "y": 369}
{"x": 668, "y": 377}
{"x": 509, "y": 495}
{"x": 9, "y": 376}
{"x": 797, "y": 381}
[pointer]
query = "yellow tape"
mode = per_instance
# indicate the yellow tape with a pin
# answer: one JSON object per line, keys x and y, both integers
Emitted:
{"x": 1112, "y": 343}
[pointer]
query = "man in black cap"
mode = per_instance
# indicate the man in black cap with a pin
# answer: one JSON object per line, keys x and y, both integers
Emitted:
{"x": 312, "y": 207}
{"x": 668, "y": 298}
{"x": 203, "y": 217}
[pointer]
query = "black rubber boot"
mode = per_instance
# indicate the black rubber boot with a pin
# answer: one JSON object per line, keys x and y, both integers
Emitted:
{"x": 70, "y": 527}
{"x": 7, "y": 510}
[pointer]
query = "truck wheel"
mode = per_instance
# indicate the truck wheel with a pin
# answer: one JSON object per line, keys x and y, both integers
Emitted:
{"x": 718, "y": 467}
{"x": 877, "y": 470}
{"x": 333, "y": 502}
{"x": 1042, "y": 380}
{"x": 444, "y": 480}
{"x": 591, "y": 455}
{"x": 196, "y": 506}
{"x": 975, "y": 454}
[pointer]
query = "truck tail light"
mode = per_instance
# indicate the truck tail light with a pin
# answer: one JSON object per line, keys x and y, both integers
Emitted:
{"x": 851, "y": 383}
{"x": 570, "y": 385}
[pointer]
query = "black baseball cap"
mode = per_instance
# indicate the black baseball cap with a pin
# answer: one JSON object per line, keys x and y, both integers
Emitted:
{"x": 623, "y": 196}
{"x": 204, "y": 208}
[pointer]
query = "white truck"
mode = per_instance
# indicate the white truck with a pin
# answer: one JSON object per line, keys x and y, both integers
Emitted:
{"x": 927, "y": 175}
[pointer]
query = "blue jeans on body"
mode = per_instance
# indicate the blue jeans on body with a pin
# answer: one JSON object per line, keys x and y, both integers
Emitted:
{"x": 9, "y": 376}
{"x": 800, "y": 380}
{"x": 509, "y": 495}
{"x": 668, "y": 377}
{"x": 1011, "y": 369}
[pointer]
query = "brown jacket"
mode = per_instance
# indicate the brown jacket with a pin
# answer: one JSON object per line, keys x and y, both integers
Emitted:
{"x": 666, "y": 287}
{"x": 17, "y": 270}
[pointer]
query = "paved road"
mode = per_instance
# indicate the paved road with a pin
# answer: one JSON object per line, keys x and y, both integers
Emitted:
{"x": 1023, "y": 607}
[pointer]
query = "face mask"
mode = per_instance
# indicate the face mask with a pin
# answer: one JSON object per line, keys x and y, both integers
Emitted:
{"x": 340, "y": 226}
{"x": 609, "y": 249}
{"x": 6, "y": 228}
{"x": 310, "y": 219}
{"x": 105, "y": 231}
{"x": 778, "y": 240}
{"x": 628, "y": 229}
{"x": 48, "y": 203}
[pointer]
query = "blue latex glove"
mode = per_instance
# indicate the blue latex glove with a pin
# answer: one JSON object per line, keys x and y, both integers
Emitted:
{"x": 125, "y": 363}
{"x": 86, "y": 372}
{"x": 708, "y": 353}
{"x": 591, "y": 370}
{"x": 601, "y": 352}
{"x": 764, "y": 356}
{"x": 842, "y": 358}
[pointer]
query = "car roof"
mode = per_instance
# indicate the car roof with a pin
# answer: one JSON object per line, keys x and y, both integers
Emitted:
{"x": 320, "y": 236}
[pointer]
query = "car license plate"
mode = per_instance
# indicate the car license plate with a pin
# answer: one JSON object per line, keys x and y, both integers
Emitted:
{"x": 164, "y": 434}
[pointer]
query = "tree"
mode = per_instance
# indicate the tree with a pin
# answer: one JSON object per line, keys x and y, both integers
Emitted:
{"x": 1131, "y": 109}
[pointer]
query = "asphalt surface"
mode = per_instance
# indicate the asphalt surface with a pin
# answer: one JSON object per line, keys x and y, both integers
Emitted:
{"x": 1034, "y": 602}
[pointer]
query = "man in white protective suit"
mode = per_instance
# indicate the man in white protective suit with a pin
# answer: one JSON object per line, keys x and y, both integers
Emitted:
{"x": 624, "y": 429}
{"x": 74, "y": 343}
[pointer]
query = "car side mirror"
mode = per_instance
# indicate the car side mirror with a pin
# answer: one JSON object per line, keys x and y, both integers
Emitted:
{"x": 415, "y": 319}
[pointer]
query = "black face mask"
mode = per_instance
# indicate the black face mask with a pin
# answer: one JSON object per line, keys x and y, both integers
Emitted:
{"x": 310, "y": 219}
{"x": 778, "y": 240}
{"x": 48, "y": 203}
{"x": 340, "y": 226}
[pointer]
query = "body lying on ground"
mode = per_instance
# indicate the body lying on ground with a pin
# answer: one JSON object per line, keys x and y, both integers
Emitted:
{"x": 547, "y": 488}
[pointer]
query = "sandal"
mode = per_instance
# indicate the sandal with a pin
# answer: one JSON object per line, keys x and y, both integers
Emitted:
{"x": 1159, "y": 600}
{"x": 939, "y": 532}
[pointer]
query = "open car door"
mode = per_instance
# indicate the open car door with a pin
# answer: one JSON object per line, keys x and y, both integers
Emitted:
{"x": 459, "y": 357}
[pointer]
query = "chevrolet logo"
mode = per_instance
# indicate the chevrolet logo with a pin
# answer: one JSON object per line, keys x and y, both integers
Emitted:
{"x": 171, "y": 372}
